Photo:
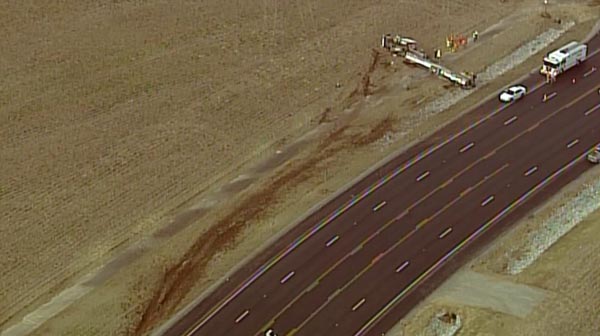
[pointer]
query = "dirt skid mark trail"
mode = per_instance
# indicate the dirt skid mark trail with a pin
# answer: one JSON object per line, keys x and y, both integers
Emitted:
{"x": 376, "y": 133}
{"x": 325, "y": 116}
{"x": 366, "y": 82}
{"x": 179, "y": 279}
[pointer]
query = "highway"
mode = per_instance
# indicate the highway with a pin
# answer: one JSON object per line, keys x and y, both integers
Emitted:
{"x": 360, "y": 263}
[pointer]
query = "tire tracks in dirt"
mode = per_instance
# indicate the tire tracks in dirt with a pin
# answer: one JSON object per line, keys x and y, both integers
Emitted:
{"x": 178, "y": 279}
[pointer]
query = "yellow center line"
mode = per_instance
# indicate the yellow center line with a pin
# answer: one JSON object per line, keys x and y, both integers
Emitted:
{"x": 461, "y": 195}
{"x": 360, "y": 246}
{"x": 423, "y": 222}
{"x": 215, "y": 309}
{"x": 427, "y": 273}
{"x": 391, "y": 248}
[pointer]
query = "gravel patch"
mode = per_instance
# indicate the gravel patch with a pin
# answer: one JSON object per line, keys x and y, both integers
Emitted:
{"x": 560, "y": 222}
{"x": 444, "y": 324}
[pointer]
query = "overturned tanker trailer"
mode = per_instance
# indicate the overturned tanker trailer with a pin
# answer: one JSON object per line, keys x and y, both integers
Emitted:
{"x": 463, "y": 79}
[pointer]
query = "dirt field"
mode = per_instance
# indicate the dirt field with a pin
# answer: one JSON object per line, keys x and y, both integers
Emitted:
{"x": 119, "y": 117}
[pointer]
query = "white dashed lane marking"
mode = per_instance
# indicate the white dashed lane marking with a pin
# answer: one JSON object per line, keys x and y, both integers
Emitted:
{"x": 572, "y": 143}
{"x": 287, "y": 277}
{"x": 422, "y": 176}
{"x": 242, "y": 316}
{"x": 332, "y": 240}
{"x": 487, "y": 200}
{"x": 510, "y": 121}
{"x": 445, "y": 233}
{"x": 589, "y": 72}
{"x": 467, "y": 147}
{"x": 358, "y": 304}
{"x": 548, "y": 96}
{"x": 590, "y": 111}
{"x": 402, "y": 267}
{"x": 531, "y": 170}
{"x": 379, "y": 206}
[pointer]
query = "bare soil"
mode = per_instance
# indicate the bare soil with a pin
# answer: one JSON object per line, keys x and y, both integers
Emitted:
{"x": 121, "y": 120}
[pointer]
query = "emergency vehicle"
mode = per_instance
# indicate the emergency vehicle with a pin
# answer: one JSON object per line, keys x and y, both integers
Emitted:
{"x": 564, "y": 58}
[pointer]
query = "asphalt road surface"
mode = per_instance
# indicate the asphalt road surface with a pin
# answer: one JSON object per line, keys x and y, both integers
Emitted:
{"x": 360, "y": 263}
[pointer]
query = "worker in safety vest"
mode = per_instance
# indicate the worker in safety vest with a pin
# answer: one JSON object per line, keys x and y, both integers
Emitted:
{"x": 438, "y": 54}
{"x": 475, "y": 35}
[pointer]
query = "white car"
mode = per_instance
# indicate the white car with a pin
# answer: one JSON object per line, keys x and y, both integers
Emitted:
{"x": 594, "y": 155}
{"x": 270, "y": 332}
{"x": 513, "y": 93}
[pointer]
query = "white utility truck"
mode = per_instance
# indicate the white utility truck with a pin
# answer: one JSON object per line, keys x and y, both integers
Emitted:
{"x": 564, "y": 58}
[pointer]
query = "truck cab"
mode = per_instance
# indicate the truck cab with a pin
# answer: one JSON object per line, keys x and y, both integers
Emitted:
{"x": 594, "y": 155}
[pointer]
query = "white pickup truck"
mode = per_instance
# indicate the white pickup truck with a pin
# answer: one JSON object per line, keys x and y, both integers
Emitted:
{"x": 594, "y": 155}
